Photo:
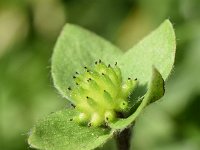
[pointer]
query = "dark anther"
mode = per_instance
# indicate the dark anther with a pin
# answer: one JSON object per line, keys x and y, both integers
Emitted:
{"x": 89, "y": 124}
{"x": 129, "y": 78}
{"x": 77, "y": 83}
{"x": 77, "y": 73}
{"x": 115, "y": 63}
{"x": 70, "y": 119}
{"x": 108, "y": 65}
{"x": 96, "y": 62}
{"x": 73, "y": 105}
{"x": 89, "y": 79}
{"x": 135, "y": 79}
{"x": 103, "y": 74}
{"x": 104, "y": 90}
{"x": 99, "y": 60}
{"x": 74, "y": 77}
{"x": 107, "y": 118}
{"x": 87, "y": 97}
{"x": 123, "y": 103}
{"x": 88, "y": 70}
{"x": 85, "y": 67}
{"x": 69, "y": 88}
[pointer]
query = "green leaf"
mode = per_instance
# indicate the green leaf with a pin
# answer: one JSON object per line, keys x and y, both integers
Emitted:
{"x": 57, "y": 132}
{"x": 76, "y": 48}
{"x": 157, "y": 49}
{"x": 155, "y": 92}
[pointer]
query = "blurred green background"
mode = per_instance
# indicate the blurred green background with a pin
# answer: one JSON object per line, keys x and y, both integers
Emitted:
{"x": 28, "y": 31}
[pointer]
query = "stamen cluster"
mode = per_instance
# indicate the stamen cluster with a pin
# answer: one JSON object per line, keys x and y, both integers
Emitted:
{"x": 98, "y": 94}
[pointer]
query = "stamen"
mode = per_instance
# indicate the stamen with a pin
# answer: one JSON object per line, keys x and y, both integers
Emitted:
{"x": 73, "y": 105}
{"x": 89, "y": 124}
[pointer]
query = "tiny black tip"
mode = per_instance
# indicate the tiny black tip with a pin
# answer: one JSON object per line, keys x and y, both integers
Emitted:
{"x": 89, "y": 124}
{"x": 108, "y": 65}
{"x": 99, "y": 60}
{"x": 96, "y": 62}
{"x": 85, "y": 67}
{"x": 87, "y": 97}
{"x": 107, "y": 118}
{"x": 103, "y": 74}
{"x": 77, "y": 73}
{"x": 74, "y": 77}
{"x": 77, "y": 83}
{"x": 115, "y": 63}
{"x": 129, "y": 78}
{"x": 135, "y": 79}
{"x": 73, "y": 105}
{"x": 69, "y": 88}
{"x": 71, "y": 119}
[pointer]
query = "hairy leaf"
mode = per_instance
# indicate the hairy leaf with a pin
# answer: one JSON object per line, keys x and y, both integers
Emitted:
{"x": 57, "y": 132}
{"x": 157, "y": 49}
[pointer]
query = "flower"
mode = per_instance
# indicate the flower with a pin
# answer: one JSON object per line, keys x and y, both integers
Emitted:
{"x": 99, "y": 94}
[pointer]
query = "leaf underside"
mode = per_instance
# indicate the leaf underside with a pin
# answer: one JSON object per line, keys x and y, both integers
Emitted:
{"x": 76, "y": 48}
